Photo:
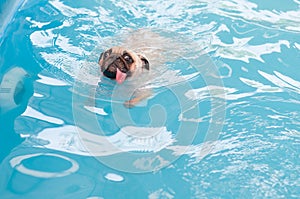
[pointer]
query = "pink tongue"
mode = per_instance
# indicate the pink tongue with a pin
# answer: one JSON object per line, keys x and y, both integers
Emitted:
{"x": 120, "y": 77}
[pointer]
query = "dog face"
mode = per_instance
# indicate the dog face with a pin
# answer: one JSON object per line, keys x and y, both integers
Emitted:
{"x": 119, "y": 63}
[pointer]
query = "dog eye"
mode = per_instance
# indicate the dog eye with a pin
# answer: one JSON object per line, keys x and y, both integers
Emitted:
{"x": 106, "y": 54}
{"x": 128, "y": 59}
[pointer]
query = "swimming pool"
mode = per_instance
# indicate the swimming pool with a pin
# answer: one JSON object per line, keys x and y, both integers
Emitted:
{"x": 223, "y": 121}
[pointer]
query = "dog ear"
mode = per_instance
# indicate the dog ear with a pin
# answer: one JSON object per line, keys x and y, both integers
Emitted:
{"x": 145, "y": 62}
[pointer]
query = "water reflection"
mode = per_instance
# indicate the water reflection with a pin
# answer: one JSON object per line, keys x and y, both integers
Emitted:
{"x": 54, "y": 153}
{"x": 256, "y": 155}
{"x": 15, "y": 91}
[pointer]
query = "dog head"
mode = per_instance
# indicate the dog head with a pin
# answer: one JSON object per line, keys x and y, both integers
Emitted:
{"x": 118, "y": 63}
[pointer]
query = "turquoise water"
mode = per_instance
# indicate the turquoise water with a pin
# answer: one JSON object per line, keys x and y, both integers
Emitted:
{"x": 223, "y": 120}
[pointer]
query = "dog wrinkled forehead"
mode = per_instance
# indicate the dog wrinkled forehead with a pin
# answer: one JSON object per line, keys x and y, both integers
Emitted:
{"x": 116, "y": 50}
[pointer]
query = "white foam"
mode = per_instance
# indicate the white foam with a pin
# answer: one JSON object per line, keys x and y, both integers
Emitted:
{"x": 38, "y": 95}
{"x": 69, "y": 11}
{"x": 42, "y": 39}
{"x": 282, "y": 83}
{"x": 51, "y": 81}
{"x": 97, "y": 110}
{"x": 36, "y": 23}
{"x": 114, "y": 177}
{"x": 30, "y": 112}
{"x": 260, "y": 86}
{"x": 240, "y": 49}
{"x": 75, "y": 140}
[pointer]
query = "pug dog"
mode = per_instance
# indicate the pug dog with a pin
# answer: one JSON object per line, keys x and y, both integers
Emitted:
{"x": 128, "y": 64}
{"x": 119, "y": 63}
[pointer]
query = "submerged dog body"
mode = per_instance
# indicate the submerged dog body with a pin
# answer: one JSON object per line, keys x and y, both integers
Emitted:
{"x": 118, "y": 63}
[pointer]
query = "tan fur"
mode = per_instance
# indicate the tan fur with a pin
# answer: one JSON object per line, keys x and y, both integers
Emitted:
{"x": 119, "y": 51}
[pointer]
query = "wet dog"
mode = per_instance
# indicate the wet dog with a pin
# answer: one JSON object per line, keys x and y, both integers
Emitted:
{"x": 119, "y": 63}
{"x": 141, "y": 62}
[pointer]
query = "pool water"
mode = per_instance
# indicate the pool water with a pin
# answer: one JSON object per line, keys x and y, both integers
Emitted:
{"x": 222, "y": 121}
